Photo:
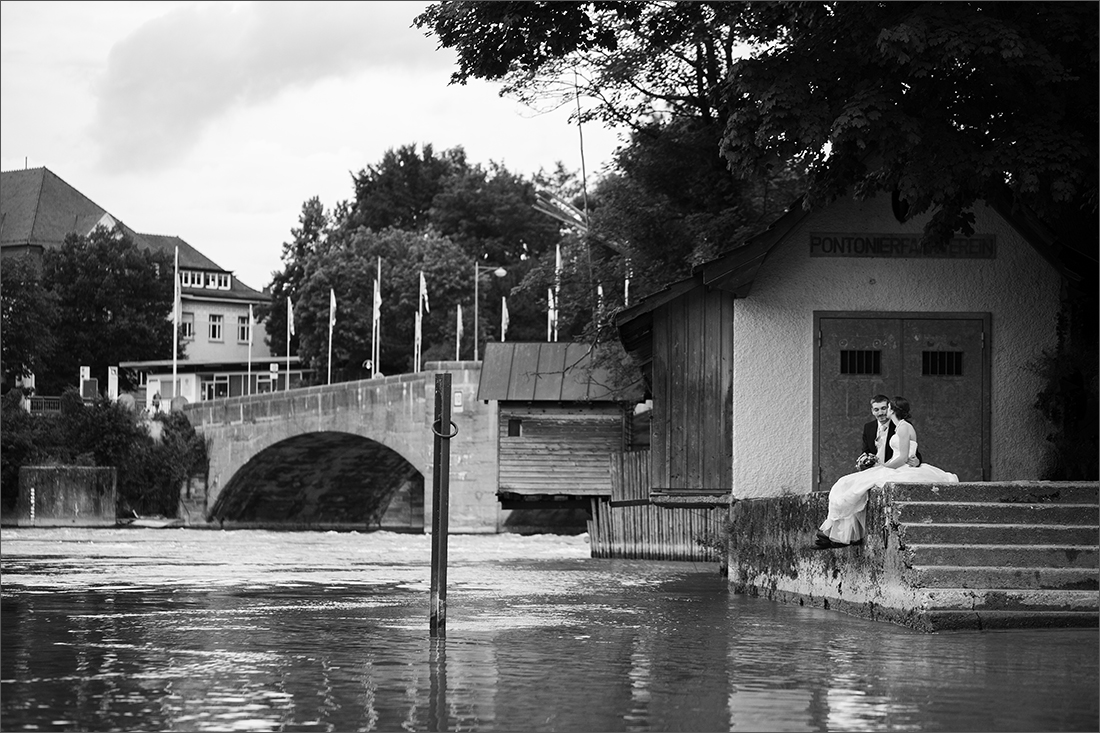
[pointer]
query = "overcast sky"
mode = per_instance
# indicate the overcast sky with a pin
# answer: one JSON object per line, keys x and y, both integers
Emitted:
{"x": 216, "y": 121}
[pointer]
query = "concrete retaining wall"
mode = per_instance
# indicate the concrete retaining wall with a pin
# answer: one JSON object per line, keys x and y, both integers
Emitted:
{"x": 972, "y": 555}
{"x": 66, "y": 496}
{"x": 772, "y": 555}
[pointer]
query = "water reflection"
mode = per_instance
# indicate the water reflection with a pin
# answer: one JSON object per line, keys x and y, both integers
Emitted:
{"x": 186, "y": 630}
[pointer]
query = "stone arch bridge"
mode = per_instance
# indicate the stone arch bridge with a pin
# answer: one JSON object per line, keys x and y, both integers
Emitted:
{"x": 349, "y": 455}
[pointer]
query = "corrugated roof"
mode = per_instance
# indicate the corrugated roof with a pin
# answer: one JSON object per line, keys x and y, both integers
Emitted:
{"x": 549, "y": 372}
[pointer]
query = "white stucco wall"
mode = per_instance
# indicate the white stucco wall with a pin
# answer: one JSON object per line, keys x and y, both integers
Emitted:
{"x": 774, "y": 343}
{"x": 201, "y": 348}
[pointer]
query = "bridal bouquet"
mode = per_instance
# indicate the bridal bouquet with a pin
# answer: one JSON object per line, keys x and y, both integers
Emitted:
{"x": 865, "y": 461}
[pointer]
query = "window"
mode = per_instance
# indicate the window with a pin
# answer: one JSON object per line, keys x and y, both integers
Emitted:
{"x": 941, "y": 363}
{"x": 188, "y": 326}
{"x": 243, "y": 329}
{"x": 265, "y": 382}
{"x": 216, "y": 323}
{"x": 216, "y": 387}
{"x": 860, "y": 362}
{"x": 223, "y": 281}
{"x": 211, "y": 279}
{"x": 515, "y": 427}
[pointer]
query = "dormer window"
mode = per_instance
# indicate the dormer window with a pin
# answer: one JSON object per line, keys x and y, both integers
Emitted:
{"x": 223, "y": 281}
{"x": 211, "y": 280}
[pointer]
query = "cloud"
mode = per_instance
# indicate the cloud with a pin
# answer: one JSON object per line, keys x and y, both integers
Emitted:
{"x": 175, "y": 76}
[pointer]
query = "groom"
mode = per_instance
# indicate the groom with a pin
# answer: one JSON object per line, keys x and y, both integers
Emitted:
{"x": 880, "y": 430}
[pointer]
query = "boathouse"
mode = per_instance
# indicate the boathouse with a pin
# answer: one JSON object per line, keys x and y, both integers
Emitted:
{"x": 761, "y": 367}
{"x": 560, "y": 414}
{"x": 762, "y": 363}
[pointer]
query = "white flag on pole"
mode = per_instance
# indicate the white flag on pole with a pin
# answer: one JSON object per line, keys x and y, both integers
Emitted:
{"x": 424, "y": 292}
{"x": 289, "y": 320}
{"x": 331, "y": 309}
{"x": 458, "y": 333}
{"x": 503, "y": 317}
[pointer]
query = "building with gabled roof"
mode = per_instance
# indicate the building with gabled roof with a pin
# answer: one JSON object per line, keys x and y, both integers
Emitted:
{"x": 38, "y": 210}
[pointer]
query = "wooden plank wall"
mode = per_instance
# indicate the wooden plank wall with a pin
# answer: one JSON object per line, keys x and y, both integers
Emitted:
{"x": 562, "y": 448}
{"x": 629, "y": 526}
{"x": 692, "y": 427}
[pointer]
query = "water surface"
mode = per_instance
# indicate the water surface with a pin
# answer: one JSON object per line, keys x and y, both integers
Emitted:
{"x": 139, "y": 629}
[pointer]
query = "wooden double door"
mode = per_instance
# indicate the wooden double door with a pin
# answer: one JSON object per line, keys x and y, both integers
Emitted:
{"x": 938, "y": 361}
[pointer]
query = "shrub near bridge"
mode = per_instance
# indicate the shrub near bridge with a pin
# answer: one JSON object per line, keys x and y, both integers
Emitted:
{"x": 150, "y": 470}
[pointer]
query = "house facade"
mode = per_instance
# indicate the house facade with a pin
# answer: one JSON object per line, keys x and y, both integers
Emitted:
{"x": 39, "y": 210}
{"x": 763, "y": 363}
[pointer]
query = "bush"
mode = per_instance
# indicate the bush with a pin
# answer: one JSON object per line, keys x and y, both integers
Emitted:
{"x": 150, "y": 471}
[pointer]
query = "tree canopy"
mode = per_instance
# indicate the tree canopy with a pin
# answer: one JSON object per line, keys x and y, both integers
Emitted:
{"x": 29, "y": 314}
{"x": 419, "y": 211}
{"x": 944, "y": 104}
{"x": 114, "y": 304}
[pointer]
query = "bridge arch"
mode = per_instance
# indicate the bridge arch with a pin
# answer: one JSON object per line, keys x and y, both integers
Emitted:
{"x": 338, "y": 429}
{"x": 325, "y": 478}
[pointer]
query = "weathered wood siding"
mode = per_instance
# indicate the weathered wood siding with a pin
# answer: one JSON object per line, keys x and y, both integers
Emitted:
{"x": 561, "y": 449}
{"x": 692, "y": 424}
{"x": 629, "y": 526}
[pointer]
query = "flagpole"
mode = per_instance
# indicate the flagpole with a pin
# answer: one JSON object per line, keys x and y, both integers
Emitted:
{"x": 289, "y": 331}
{"x": 248, "y": 381}
{"x": 176, "y": 294}
{"x": 331, "y": 323}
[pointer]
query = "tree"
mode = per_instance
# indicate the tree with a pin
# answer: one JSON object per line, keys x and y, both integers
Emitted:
{"x": 659, "y": 70}
{"x": 29, "y": 314}
{"x": 314, "y": 225}
{"x": 114, "y": 304}
{"x": 417, "y": 211}
{"x": 348, "y": 264}
{"x": 400, "y": 190}
{"x": 945, "y": 104}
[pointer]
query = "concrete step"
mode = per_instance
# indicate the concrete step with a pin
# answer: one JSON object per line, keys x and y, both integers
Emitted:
{"x": 999, "y": 534}
{"x": 1028, "y": 492}
{"x": 1018, "y": 556}
{"x": 948, "y": 620}
{"x": 978, "y": 577}
{"x": 1012, "y": 599}
{"x": 944, "y": 512}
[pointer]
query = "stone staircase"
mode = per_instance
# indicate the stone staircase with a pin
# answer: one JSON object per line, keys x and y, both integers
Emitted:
{"x": 1000, "y": 554}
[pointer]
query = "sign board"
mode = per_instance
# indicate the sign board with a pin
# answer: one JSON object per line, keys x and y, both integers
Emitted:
{"x": 846, "y": 244}
{"x": 89, "y": 388}
{"x": 112, "y": 383}
{"x": 85, "y": 373}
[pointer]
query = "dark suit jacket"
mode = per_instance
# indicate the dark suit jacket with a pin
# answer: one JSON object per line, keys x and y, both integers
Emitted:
{"x": 870, "y": 430}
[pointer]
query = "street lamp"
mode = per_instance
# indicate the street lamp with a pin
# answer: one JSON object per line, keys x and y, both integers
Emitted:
{"x": 480, "y": 270}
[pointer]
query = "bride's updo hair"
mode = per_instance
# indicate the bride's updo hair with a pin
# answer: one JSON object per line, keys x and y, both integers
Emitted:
{"x": 901, "y": 408}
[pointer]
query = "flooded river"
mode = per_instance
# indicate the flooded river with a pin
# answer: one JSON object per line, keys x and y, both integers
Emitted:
{"x": 137, "y": 629}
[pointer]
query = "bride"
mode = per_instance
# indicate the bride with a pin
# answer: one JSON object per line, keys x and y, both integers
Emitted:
{"x": 845, "y": 524}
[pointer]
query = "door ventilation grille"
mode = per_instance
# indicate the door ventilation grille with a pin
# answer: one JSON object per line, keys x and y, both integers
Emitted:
{"x": 860, "y": 362}
{"x": 941, "y": 363}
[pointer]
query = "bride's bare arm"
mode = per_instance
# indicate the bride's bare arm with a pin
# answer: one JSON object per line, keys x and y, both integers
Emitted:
{"x": 906, "y": 435}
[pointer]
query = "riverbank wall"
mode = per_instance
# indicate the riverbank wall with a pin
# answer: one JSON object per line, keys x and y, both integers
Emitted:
{"x": 936, "y": 556}
{"x": 65, "y": 496}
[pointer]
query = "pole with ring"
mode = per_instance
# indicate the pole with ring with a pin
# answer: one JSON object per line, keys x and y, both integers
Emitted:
{"x": 437, "y": 622}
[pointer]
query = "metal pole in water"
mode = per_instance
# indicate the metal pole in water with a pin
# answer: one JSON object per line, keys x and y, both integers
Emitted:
{"x": 444, "y": 430}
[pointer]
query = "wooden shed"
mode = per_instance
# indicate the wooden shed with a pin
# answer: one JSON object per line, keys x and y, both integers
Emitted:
{"x": 560, "y": 417}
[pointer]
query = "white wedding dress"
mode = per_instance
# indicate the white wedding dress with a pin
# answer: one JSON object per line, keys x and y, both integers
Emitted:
{"x": 848, "y": 497}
